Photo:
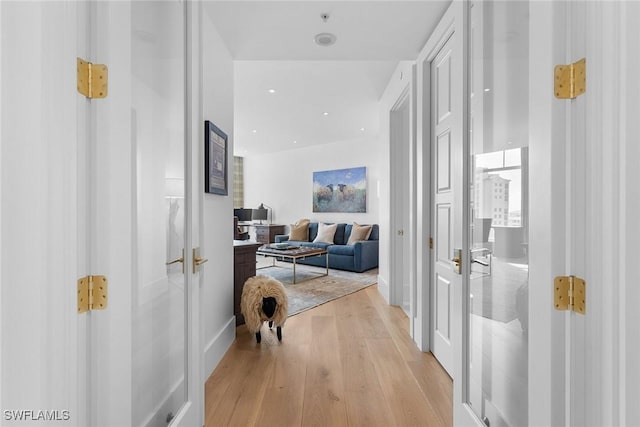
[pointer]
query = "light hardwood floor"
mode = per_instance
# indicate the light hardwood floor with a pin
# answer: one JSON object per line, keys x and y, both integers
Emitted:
{"x": 349, "y": 362}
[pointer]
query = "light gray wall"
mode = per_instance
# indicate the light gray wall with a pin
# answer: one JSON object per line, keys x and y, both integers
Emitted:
{"x": 284, "y": 180}
{"x": 217, "y": 225}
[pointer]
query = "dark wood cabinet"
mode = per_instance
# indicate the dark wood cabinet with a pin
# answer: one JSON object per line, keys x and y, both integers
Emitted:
{"x": 244, "y": 261}
{"x": 266, "y": 233}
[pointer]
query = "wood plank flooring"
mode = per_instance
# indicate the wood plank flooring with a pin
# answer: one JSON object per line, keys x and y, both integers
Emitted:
{"x": 349, "y": 362}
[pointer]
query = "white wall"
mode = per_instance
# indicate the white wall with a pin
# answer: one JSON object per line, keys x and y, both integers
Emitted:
{"x": 217, "y": 227}
{"x": 284, "y": 180}
{"x": 401, "y": 77}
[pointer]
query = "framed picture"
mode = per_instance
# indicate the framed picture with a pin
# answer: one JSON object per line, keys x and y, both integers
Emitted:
{"x": 215, "y": 160}
{"x": 340, "y": 190}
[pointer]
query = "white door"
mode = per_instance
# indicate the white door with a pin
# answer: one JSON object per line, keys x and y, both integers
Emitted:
{"x": 512, "y": 349}
{"x": 498, "y": 277}
{"x": 446, "y": 155}
{"x": 79, "y": 189}
{"x": 142, "y": 230}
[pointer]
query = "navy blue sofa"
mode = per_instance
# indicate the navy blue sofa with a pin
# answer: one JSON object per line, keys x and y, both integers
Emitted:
{"x": 359, "y": 257}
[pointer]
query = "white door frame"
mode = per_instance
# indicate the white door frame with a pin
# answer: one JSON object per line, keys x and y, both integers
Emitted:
{"x": 449, "y": 25}
{"x": 111, "y": 145}
{"x": 443, "y": 31}
{"x": 42, "y": 252}
{"x": 603, "y": 158}
{"x": 620, "y": 387}
{"x": 402, "y": 151}
{"x": 548, "y": 215}
{"x": 193, "y": 412}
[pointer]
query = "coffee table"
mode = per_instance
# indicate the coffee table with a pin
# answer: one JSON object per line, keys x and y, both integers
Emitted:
{"x": 293, "y": 254}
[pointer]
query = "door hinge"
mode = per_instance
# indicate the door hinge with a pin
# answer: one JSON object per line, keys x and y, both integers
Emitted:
{"x": 570, "y": 294}
{"x": 92, "y": 293}
{"x": 430, "y": 242}
{"x": 92, "y": 79}
{"x": 570, "y": 80}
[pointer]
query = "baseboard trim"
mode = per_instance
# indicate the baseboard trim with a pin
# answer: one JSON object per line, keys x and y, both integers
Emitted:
{"x": 218, "y": 346}
{"x": 383, "y": 288}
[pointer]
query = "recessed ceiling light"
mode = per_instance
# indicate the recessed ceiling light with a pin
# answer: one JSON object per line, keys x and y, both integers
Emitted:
{"x": 487, "y": 90}
{"x": 324, "y": 39}
{"x": 254, "y": 131}
{"x": 295, "y": 142}
{"x": 361, "y": 129}
{"x": 271, "y": 91}
{"x": 325, "y": 113}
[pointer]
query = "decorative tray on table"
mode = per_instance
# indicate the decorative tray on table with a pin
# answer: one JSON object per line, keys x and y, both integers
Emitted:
{"x": 282, "y": 246}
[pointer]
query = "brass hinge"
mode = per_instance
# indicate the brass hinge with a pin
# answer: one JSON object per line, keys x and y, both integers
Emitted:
{"x": 92, "y": 79}
{"x": 570, "y": 294}
{"x": 570, "y": 80}
{"x": 430, "y": 242}
{"x": 92, "y": 293}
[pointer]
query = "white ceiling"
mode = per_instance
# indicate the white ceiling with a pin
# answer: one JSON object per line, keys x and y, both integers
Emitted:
{"x": 273, "y": 48}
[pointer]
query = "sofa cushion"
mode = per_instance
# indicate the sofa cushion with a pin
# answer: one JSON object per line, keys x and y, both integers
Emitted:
{"x": 359, "y": 233}
{"x": 300, "y": 231}
{"x": 313, "y": 231}
{"x": 326, "y": 233}
{"x": 340, "y": 237}
{"x": 320, "y": 245}
{"x": 341, "y": 250}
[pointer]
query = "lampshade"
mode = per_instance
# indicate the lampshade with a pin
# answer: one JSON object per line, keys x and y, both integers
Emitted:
{"x": 260, "y": 213}
{"x": 174, "y": 188}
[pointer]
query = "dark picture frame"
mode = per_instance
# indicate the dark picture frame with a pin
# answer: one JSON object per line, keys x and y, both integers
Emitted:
{"x": 215, "y": 160}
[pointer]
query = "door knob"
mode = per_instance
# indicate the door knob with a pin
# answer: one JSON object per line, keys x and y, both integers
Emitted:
{"x": 177, "y": 260}
{"x": 173, "y": 261}
{"x": 457, "y": 261}
{"x": 197, "y": 260}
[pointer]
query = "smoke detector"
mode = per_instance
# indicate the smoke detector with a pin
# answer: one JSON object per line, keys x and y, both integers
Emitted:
{"x": 324, "y": 39}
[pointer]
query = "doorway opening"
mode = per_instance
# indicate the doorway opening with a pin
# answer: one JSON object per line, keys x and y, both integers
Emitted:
{"x": 402, "y": 265}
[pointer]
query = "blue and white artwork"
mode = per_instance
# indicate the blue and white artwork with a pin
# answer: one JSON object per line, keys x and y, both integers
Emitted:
{"x": 340, "y": 190}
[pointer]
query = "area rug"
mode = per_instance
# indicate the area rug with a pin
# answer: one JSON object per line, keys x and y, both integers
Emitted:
{"x": 311, "y": 291}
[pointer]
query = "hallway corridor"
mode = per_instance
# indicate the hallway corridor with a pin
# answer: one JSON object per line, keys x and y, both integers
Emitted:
{"x": 349, "y": 362}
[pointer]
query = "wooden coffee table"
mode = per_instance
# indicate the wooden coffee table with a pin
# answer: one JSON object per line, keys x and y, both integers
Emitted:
{"x": 293, "y": 254}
